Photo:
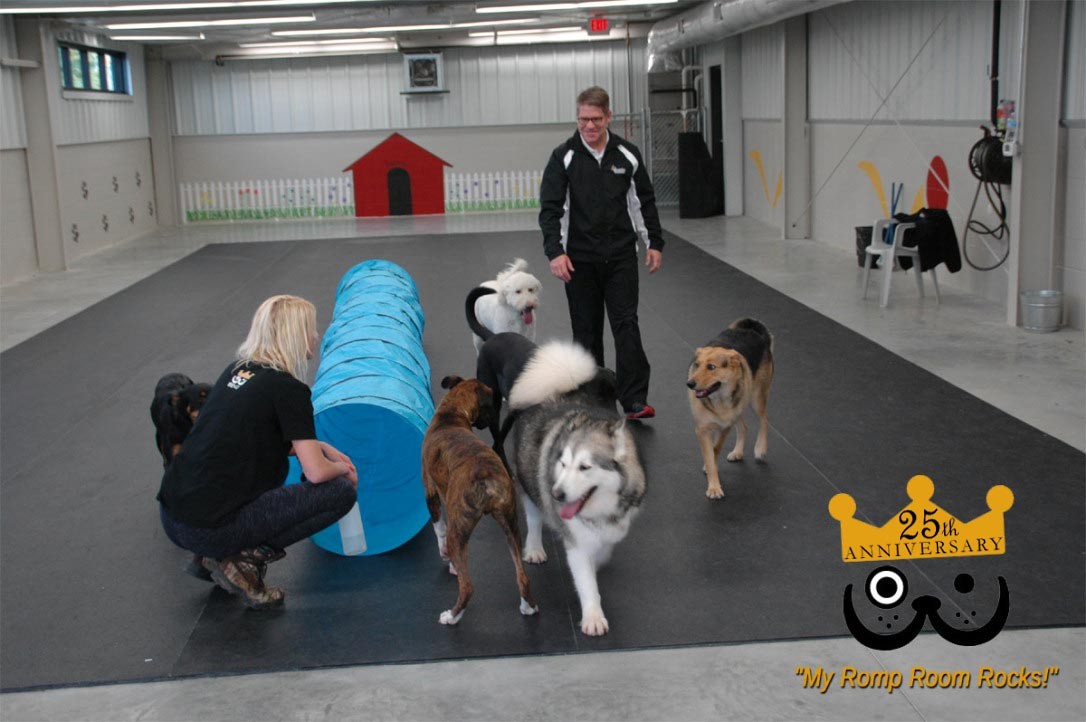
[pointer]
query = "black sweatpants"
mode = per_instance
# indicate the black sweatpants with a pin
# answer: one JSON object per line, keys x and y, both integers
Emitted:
{"x": 611, "y": 285}
{"x": 277, "y": 518}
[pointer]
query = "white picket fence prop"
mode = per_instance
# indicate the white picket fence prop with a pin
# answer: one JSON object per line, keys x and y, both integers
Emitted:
{"x": 334, "y": 197}
{"x": 494, "y": 191}
{"x": 263, "y": 199}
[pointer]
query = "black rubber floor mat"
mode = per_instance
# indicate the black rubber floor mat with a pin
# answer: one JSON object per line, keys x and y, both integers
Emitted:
{"x": 92, "y": 591}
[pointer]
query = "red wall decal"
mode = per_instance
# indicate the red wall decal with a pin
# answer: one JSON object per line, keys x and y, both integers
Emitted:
{"x": 371, "y": 177}
{"x": 938, "y": 185}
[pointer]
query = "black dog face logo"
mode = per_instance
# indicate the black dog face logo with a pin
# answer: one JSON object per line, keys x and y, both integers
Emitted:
{"x": 887, "y": 589}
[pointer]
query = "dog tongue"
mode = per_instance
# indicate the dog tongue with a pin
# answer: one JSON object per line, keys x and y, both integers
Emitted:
{"x": 568, "y": 511}
{"x": 526, "y": 314}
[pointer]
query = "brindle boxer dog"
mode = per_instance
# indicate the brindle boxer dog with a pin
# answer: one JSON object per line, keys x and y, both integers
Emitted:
{"x": 465, "y": 480}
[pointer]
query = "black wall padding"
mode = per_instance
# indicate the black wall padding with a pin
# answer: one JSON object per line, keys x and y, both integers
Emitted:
{"x": 700, "y": 188}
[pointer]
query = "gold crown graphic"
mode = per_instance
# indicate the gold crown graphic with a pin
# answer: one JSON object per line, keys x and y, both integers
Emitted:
{"x": 922, "y": 530}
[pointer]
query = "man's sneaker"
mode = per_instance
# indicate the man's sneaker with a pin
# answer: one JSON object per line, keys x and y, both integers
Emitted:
{"x": 641, "y": 411}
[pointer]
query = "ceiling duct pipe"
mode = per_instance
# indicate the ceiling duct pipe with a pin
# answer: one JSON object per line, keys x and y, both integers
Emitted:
{"x": 717, "y": 20}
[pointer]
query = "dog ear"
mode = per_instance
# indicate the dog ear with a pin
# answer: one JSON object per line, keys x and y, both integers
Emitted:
{"x": 484, "y": 393}
{"x": 618, "y": 437}
{"x": 178, "y": 400}
{"x": 734, "y": 361}
{"x": 449, "y": 381}
{"x": 576, "y": 421}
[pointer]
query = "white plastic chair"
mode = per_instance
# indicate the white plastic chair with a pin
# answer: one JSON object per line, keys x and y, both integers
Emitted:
{"x": 888, "y": 252}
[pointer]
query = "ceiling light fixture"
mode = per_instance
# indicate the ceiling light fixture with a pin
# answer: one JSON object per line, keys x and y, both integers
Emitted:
{"x": 314, "y": 43}
{"x": 354, "y": 49}
{"x": 213, "y": 23}
{"x": 155, "y": 38}
{"x": 154, "y": 7}
{"x": 569, "y": 6}
{"x": 525, "y": 31}
{"x": 580, "y": 36}
{"x": 395, "y": 28}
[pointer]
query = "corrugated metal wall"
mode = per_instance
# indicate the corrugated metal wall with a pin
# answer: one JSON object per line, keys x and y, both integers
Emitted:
{"x": 12, "y": 123}
{"x": 947, "y": 82}
{"x": 487, "y": 86}
{"x": 93, "y": 121}
{"x": 1074, "y": 74}
{"x": 763, "y": 73}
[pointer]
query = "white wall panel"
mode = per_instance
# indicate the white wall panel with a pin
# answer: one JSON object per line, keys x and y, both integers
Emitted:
{"x": 18, "y": 255}
{"x": 12, "y": 120}
{"x": 859, "y": 44}
{"x": 487, "y": 86}
{"x": 1074, "y": 75}
{"x": 1072, "y": 223}
{"x": 92, "y": 121}
{"x": 763, "y": 73}
{"x": 106, "y": 194}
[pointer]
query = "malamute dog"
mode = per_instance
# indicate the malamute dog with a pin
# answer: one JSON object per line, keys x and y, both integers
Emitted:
{"x": 513, "y": 307}
{"x": 728, "y": 373}
{"x": 578, "y": 466}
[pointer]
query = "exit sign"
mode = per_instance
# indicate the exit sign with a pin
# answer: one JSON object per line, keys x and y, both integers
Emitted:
{"x": 599, "y": 26}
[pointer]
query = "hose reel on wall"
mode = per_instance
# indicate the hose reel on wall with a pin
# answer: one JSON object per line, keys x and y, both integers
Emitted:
{"x": 992, "y": 169}
{"x": 990, "y": 162}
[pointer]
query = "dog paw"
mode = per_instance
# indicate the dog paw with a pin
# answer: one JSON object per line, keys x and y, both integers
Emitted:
{"x": 735, "y": 456}
{"x": 447, "y": 617}
{"x": 714, "y": 492}
{"x": 534, "y": 556}
{"x": 527, "y": 609}
{"x": 594, "y": 624}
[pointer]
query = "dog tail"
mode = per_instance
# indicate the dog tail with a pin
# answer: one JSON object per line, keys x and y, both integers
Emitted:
{"x": 518, "y": 265}
{"x": 757, "y": 327}
{"x": 474, "y": 324}
{"x": 556, "y": 368}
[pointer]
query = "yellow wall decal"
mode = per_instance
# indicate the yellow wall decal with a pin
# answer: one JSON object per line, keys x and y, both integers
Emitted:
{"x": 757, "y": 158}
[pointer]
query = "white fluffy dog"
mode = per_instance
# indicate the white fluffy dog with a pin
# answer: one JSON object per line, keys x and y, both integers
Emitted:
{"x": 513, "y": 307}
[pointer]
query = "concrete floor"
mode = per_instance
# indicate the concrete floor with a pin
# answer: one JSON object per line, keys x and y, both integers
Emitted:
{"x": 1039, "y": 378}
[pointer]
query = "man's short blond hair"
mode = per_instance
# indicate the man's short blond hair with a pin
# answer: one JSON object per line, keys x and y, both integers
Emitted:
{"x": 596, "y": 96}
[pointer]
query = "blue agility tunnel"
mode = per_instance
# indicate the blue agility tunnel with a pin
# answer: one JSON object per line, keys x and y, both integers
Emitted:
{"x": 371, "y": 400}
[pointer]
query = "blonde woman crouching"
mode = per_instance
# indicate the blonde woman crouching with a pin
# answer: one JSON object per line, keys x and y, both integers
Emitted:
{"x": 223, "y": 497}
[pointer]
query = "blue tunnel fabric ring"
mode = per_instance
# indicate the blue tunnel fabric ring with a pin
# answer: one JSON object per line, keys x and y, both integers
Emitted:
{"x": 371, "y": 400}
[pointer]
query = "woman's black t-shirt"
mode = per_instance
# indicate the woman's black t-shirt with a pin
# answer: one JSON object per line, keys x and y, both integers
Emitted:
{"x": 239, "y": 446}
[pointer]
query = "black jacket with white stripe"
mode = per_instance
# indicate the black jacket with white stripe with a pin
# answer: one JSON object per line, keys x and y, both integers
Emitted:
{"x": 597, "y": 211}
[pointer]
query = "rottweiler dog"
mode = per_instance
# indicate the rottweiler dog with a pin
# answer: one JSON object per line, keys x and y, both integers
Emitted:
{"x": 174, "y": 408}
{"x": 464, "y": 481}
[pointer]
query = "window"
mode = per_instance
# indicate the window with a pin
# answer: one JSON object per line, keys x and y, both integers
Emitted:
{"x": 94, "y": 69}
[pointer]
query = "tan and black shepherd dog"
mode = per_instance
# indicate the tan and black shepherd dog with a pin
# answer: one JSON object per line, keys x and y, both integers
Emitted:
{"x": 465, "y": 480}
{"x": 728, "y": 373}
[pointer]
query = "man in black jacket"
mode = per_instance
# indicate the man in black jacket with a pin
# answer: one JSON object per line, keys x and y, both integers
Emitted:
{"x": 595, "y": 201}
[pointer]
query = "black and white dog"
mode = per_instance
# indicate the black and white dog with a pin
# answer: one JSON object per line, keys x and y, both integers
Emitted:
{"x": 501, "y": 359}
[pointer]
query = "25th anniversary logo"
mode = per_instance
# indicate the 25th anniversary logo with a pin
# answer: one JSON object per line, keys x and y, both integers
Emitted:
{"x": 923, "y": 530}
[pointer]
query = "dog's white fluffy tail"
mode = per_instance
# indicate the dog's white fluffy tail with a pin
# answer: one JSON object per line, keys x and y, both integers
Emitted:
{"x": 557, "y": 367}
{"x": 518, "y": 265}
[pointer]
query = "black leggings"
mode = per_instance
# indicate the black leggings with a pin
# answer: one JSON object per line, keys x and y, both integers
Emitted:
{"x": 277, "y": 518}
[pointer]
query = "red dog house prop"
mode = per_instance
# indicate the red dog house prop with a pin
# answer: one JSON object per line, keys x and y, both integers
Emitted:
{"x": 398, "y": 178}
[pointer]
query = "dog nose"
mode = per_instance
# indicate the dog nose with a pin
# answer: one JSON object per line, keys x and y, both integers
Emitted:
{"x": 559, "y": 495}
{"x": 691, "y": 384}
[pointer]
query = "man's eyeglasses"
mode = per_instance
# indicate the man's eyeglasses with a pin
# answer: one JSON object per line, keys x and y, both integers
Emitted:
{"x": 596, "y": 120}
